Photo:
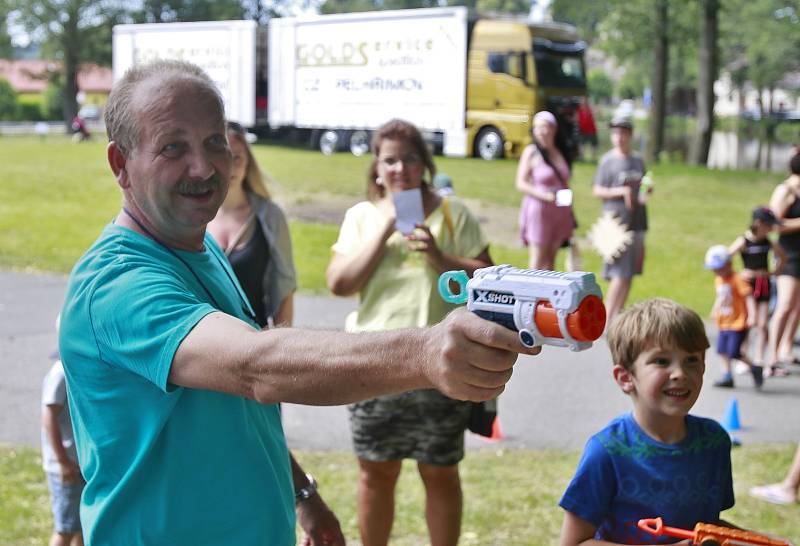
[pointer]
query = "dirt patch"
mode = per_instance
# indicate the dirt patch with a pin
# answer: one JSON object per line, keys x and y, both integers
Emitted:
{"x": 498, "y": 222}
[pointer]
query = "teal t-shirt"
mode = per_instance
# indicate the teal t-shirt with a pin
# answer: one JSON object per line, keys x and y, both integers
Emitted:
{"x": 164, "y": 464}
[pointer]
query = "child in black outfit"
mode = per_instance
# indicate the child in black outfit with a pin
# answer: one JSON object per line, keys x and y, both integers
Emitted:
{"x": 754, "y": 247}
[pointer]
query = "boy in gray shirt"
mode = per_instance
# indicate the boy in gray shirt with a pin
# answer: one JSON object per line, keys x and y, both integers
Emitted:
{"x": 618, "y": 182}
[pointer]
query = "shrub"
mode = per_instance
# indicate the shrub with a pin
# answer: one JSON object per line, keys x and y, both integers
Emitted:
{"x": 601, "y": 88}
{"x": 8, "y": 101}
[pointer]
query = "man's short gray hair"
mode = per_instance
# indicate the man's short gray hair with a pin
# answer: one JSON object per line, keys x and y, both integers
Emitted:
{"x": 122, "y": 121}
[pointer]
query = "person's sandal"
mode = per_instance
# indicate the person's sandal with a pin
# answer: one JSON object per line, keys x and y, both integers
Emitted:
{"x": 773, "y": 493}
{"x": 777, "y": 370}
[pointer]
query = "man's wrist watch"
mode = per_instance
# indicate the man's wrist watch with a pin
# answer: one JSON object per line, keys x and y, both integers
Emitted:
{"x": 305, "y": 493}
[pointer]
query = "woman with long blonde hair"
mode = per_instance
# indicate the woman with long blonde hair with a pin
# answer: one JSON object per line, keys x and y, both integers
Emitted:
{"x": 253, "y": 232}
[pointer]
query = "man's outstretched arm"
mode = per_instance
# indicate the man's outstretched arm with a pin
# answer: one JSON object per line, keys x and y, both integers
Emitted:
{"x": 464, "y": 356}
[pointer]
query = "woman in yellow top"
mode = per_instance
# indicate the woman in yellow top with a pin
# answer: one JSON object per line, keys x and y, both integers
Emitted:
{"x": 395, "y": 277}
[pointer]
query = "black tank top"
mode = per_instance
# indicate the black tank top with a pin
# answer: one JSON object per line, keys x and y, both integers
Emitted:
{"x": 250, "y": 263}
{"x": 754, "y": 254}
{"x": 791, "y": 241}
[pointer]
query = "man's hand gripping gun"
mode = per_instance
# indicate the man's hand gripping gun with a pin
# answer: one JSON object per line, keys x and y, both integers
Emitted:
{"x": 545, "y": 307}
{"x": 706, "y": 534}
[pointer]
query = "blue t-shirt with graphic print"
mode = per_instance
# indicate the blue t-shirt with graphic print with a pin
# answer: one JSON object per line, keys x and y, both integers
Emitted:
{"x": 624, "y": 476}
{"x": 165, "y": 464}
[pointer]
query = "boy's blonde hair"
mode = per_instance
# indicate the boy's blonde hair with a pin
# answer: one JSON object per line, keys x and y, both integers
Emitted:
{"x": 657, "y": 321}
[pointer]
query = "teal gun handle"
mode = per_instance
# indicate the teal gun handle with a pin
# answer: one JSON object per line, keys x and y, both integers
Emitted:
{"x": 459, "y": 277}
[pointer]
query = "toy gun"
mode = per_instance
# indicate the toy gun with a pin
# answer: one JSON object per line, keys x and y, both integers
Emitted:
{"x": 705, "y": 534}
{"x": 544, "y": 307}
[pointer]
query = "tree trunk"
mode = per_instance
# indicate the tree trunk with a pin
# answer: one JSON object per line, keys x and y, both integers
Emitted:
{"x": 71, "y": 47}
{"x": 655, "y": 141}
{"x": 705, "y": 82}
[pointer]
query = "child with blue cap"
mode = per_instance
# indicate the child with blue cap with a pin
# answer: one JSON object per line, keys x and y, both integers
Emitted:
{"x": 734, "y": 310}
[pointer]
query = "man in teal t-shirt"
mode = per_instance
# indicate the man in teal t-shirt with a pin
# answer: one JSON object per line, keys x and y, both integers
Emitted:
{"x": 172, "y": 388}
{"x": 120, "y": 351}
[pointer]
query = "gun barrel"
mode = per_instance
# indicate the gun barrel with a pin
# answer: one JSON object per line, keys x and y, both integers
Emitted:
{"x": 586, "y": 323}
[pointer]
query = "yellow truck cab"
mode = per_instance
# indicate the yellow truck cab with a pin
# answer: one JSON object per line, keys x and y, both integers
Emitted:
{"x": 516, "y": 68}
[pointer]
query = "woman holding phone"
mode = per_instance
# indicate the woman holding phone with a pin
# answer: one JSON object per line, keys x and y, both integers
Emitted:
{"x": 546, "y": 219}
{"x": 395, "y": 277}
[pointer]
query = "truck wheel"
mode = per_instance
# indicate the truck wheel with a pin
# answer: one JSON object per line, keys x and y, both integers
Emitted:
{"x": 329, "y": 142}
{"x": 359, "y": 143}
{"x": 489, "y": 144}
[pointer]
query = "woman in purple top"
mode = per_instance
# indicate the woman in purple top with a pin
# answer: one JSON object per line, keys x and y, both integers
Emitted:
{"x": 546, "y": 218}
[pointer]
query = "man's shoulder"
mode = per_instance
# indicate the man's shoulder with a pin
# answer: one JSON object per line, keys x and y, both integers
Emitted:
{"x": 115, "y": 254}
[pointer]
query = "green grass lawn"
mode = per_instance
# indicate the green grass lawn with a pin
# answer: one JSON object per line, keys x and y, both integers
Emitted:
{"x": 56, "y": 196}
{"x": 510, "y": 496}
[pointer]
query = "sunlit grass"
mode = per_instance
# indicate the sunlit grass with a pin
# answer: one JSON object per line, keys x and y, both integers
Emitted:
{"x": 511, "y": 496}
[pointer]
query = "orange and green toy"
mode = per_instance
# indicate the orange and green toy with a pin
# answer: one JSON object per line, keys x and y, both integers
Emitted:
{"x": 706, "y": 534}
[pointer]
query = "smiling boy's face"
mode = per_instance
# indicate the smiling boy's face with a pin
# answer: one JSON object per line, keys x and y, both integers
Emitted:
{"x": 664, "y": 382}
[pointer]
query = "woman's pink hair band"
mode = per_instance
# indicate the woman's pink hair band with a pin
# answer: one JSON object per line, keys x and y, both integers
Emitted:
{"x": 545, "y": 116}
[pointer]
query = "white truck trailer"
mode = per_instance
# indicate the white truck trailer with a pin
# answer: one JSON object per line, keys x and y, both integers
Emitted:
{"x": 233, "y": 53}
{"x": 346, "y": 74}
{"x": 472, "y": 83}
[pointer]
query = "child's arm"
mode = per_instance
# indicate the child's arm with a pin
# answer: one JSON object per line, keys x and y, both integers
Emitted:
{"x": 576, "y": 531}
{"x": 736, "y": 246}
{"x": 715, "y": 308}
{"x": 70, "y": 472}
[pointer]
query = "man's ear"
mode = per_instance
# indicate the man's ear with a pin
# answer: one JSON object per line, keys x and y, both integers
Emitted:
{"x": 117, "y": 161}
{"x": 624, "y": 378}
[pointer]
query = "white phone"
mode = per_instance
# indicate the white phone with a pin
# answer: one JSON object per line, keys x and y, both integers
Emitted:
{"x": 408, "y": 208}
{"x": 564, "y": 197}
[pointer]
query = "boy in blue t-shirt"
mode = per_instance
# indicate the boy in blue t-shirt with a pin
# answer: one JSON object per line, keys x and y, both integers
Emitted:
{"x": 657, "y": 460}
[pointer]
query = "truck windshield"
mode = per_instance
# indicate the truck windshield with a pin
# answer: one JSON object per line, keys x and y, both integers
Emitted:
{"x": 559, "y": 64}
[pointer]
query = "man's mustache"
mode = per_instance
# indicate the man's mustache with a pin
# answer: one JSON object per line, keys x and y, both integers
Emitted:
{"x": 212, "y": 183}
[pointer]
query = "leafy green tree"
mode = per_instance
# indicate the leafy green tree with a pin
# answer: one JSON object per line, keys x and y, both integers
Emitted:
{"x": 496, "y": 6}
{"x": 76, "y": 31}
{"x": 632, "y": 83}
{"x": 503, "y": 6}
{"x": 6, "y": 49}
{"x": 586, "y": 16}
{"x": 771, "y": 46}
{"x": 705, "y": 84}
{"x": 601, "y": 88}
{"x": 167, "y": 11}
{"x": 347, "y": 6}
{"x": 52, "y": 106}
{"x": 8, "y": 101}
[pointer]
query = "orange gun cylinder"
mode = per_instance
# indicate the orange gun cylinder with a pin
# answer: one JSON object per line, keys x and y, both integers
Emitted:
{"x": 706, "y": 534}
{"x": 586, "y": 323}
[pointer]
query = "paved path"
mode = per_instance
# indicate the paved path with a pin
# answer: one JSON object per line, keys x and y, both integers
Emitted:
{"x": 555, "y": 400}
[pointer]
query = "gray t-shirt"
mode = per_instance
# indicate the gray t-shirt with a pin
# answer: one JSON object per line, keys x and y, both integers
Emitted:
{"x": 54, "y": 392}
{"x": 615, "y": 170}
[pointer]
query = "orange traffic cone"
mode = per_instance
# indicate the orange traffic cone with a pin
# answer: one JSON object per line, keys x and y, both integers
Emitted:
{"x": 497, "y": 433}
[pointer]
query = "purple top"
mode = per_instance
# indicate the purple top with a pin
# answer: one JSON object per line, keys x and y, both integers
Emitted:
{"x": 543, "y": 223}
